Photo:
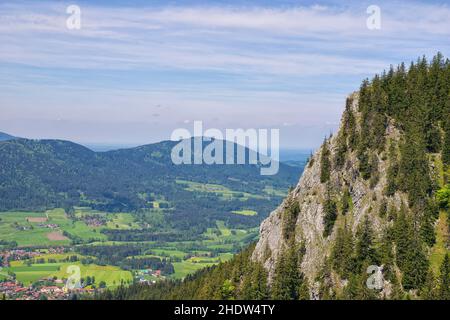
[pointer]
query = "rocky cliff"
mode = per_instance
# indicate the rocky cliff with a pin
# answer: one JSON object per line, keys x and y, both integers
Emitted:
{"x": 368, "y": 199}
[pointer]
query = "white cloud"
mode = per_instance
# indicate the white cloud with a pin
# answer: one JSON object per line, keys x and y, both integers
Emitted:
{"x": 257, "y": 40}
{"x": 243, "y": 65}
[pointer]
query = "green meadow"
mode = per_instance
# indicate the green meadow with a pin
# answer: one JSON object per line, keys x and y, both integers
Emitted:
{"x": 111, "y": 275}
{"x": 223, "y": 192}
{"x": 246, "y": 212}
{"x": 15, "y": 226}
{"x": 30, "y": 229}
{"x": 26, "y": 227}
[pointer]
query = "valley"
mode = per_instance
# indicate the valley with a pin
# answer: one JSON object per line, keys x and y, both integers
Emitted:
{"x": 138, "y": 245}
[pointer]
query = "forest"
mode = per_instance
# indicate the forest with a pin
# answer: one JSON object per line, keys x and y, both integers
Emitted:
{"x": 38, "y": 175}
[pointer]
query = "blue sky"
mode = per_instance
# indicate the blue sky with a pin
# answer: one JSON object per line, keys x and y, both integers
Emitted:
{"x": 136, "y": 70}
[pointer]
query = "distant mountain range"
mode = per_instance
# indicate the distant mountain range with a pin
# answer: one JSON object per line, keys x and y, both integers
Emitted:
{"x": 291, "y": 157}
{"x": 6, "y": 137}
{"x": 42, "y": 174}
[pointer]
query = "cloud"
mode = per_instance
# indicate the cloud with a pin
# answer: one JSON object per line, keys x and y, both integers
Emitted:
{"x": 224, "y": 39}
{"x": 248, "y": 65}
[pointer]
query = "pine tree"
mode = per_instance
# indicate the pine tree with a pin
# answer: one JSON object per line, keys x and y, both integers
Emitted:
{"x": 387, "y": 255}
{"x": 382, "y": 212}
{"x": 392, "y": 172}
{"x": 365, "y": 252}
{"x": 254, "y": 285}
{"x": 416, "y": 264}
{"x": 259, "y": 283}
{"x": 350, "y": 126}
{"x": 374, "y": 173}
{"x": 401, "y": 232}
{"x": 289, "y": 282}
{"x": 432, "y": 136}
{"x": 428, "y": 291}
{"x": 410, "y": 255}
{"x": 303, "y": 291}
{"x": 330, "y": 214}
{"x": 354, "y": 288}
{"x": 446, "y": 145}
{"x": 290, "y": 215}
{"x": 342, "y": 253}
{"x": 339, "y": 158}
{"x": 345, "y": 201}
{"x": 414, "y": 169}
{"x": 364, "y": 165}
{"x": 325, "y": 165}
{"x": 279, "y": 290}
{"x": 427, "y": 231}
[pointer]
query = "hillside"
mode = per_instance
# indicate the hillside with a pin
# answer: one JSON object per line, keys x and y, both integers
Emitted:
{"x": 6, "y": 137}
{"x": 377, "y": 193}
{"x": 46, "y": 174}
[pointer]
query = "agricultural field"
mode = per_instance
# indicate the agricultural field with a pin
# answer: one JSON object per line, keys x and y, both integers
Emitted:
{"x": 271, "y": 191}
{"x": 25, "y": 229}
{"x": 182, "y": 269}
{"x": 51, "y": 228}
{"x": 224, "y": 193}
{"x": 246, "y": 212}
{"x": 55, "y": 228}
{"x": 111, "y": 275}
{"x": 28, "y": 274}
{"x": 191, "y": 265}
{"x": 122, "y": 221}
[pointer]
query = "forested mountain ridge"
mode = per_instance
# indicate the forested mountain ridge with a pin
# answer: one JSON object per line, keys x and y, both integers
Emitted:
{"x": 43, "y": 174}
{"x": 377, "y": 193}
{"x": 5, "y": 137}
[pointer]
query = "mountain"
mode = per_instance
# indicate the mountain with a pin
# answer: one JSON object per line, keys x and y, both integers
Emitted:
{"x": 6, "y": 137}
{"x": 369, "y": 218}
{"x": 43, "y": 174}
{"x": 295, "y": 158}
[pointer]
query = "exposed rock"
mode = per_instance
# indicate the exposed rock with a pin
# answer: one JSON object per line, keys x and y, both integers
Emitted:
{"x": 310, "y": 193}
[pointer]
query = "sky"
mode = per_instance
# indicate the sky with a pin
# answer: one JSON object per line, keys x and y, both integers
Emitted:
{"x": 136, "y": 70}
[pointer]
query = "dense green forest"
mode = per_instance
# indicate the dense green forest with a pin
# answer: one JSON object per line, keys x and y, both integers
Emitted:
{"x": 6, "y": 137}
{"x": 37, "y": 175}
{"x": 415, "y": 100}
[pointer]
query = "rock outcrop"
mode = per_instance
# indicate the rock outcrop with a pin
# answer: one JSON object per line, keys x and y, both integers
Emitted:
{"x": 310, "y": 194}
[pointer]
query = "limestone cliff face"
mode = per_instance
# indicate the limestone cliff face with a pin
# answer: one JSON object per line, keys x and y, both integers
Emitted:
{"x": 310, "y": 194}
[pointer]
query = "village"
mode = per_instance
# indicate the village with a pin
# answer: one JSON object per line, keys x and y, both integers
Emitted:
{"x": 51, "y": 287}
{"x": 13, "y": 290}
